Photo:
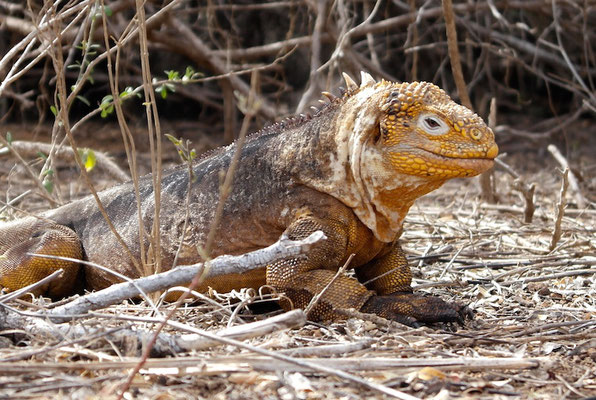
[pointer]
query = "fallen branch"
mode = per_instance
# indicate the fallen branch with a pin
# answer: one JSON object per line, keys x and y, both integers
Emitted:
{"x": 222, "y": 265}
{"x": 558, "y": 275}
{"x": 166, "y": 344}
{"x": 32, "y": 149}
{"x": 196, "y": 365}
{"x": 519, "y": 210}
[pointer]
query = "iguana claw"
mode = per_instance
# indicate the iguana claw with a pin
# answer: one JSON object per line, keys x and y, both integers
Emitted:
{"x": 414, "y": 310}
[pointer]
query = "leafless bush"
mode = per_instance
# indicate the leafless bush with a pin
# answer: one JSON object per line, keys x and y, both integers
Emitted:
{"x": 535, "y": 57}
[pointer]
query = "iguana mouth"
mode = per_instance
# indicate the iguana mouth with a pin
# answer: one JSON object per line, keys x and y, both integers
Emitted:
{"x": 459, "y": 161}
{"x": 485, "y": 157}
{"x": 433, "y": 156}
{"x": 423, "y": 162}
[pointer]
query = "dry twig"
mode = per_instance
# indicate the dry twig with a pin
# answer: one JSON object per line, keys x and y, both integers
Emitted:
{"x": 560, "y": 210}
{"x": 527, "y": 190}
{"x": 577, "y": 194}
{"x": 486, "y": 178}
{"x": 452, "y": 44}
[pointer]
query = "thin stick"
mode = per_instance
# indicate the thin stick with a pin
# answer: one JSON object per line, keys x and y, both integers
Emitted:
{"x": 577, "y": 272}
{"x": 302, "y": 363}
{"x": 560, "y": 210}
{"x": 226, "y": 188}
{"x": 527, "y": 190}
{"x": 315, "y": 55}
{"x": 573, "y": 182}
{"x": 454, "y": 57}
{"x": 333, "y": 366}
{"x": 154, "y": 133}
{"x": 486, "y": 178}
{"x": 127, "y": 138}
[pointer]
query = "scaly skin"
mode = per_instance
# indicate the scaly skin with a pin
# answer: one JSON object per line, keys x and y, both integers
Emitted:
{"x": 352, "y": 170}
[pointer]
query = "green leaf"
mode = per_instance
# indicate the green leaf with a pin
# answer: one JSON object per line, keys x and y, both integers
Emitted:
{"x": 177, "y": 142}
{"x": 127, "y": 91}
{"x": 54, "y": 110}
{"x": 107, "y": 111}
{"x": 48, "y": 185}
{"x": 47, "y": 182}
{"x": 75, "y": 65}
{"x": 188, "y": 75}
{"x": 8, "y": 137}
{"x": 189, "y": 71}
{"x": 108, "y": 11}
{"x": 88, "y": 158}
{"x": 84, "y": 100}
{"x": 106, "y": 99}
{"x": 106, "y": 105}
{"x": 172, "y": 75}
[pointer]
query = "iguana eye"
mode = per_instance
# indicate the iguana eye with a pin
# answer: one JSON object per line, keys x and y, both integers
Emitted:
{"x": 432, "y": 124}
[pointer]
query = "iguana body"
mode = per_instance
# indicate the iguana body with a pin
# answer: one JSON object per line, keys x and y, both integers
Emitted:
{"x": 352, "y": 170}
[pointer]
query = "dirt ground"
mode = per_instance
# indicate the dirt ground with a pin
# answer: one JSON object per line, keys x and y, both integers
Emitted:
{"x": 533, "y": 334}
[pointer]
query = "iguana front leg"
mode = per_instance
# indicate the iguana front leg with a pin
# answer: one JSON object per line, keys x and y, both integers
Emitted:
{"x": 302, "y": 278}
{"x": 390, "y": 277}
{"x": 17, "y": 269}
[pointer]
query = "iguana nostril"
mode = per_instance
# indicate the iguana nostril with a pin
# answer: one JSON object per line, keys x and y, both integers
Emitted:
{"x": 476, "y": 133}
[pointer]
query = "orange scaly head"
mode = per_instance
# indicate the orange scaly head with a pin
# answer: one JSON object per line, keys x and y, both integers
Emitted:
{"x": 396, "y": 142}
{"x": 425, "y": 133}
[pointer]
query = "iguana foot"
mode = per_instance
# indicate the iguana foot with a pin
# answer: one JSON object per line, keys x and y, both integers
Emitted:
{"x": 414, "y": 310}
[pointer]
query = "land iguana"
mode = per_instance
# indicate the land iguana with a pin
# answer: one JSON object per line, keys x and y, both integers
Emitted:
{"x": 351, "y": 170}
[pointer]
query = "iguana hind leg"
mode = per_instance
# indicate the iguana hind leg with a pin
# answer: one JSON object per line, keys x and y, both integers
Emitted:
{"x": 390, "y": 277}
{"x": 17, "y": 269}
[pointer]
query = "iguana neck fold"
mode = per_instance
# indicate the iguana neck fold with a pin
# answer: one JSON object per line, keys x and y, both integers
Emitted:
{"x": 337, "y": 155}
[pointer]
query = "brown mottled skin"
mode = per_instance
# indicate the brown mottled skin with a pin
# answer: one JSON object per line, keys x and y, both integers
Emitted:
{"x": 352, "y": 170}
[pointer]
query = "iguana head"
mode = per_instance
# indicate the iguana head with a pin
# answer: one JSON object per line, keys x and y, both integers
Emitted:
{"x": 422, "y": 132}
{"x": 426, "y": 134}
{"x": 400, "y": 141}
